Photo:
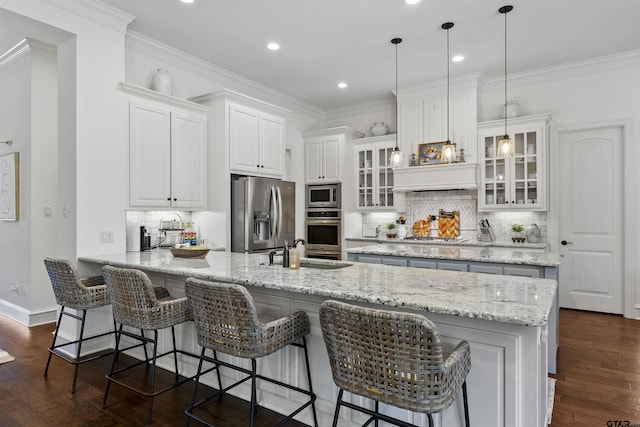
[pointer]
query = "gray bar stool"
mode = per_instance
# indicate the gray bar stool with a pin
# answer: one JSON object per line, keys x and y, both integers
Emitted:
{"x": 226, "y": 321}
{"x": 136, "y": 304}
{"x": 81, "y": 294}
{"x": 393, "y": 358}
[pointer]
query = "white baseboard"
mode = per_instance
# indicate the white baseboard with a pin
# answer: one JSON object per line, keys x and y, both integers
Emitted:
{"x": 28, "y": 317}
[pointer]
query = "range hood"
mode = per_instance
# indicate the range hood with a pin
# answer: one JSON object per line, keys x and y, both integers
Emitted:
{"x": 453, "y": 176}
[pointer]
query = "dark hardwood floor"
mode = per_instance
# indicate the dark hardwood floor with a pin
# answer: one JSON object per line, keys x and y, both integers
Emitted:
{"x": 598, "y": 382}
{"x": 598, "y": 378}
{"x": 29, "y": 399}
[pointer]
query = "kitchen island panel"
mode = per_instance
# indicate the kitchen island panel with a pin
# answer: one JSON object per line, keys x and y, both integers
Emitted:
{"x": 508, "y": 374}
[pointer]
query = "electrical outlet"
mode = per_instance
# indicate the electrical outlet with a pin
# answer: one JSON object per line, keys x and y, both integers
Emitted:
{"x": 65, "y": 211}
{"x": 14, "y": 288}
{"x": 106, "y": 236}
{"x": 47, "y": 211}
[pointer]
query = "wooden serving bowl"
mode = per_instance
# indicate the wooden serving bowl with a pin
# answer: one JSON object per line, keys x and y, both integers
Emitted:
{"x": 190, "y": 252}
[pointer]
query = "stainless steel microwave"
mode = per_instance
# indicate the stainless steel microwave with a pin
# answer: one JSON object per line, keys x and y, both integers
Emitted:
{"x": 326, "y": 196}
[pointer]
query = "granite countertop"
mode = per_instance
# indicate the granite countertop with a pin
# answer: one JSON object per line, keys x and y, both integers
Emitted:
{"x": 463, "y": 253}
{"x": 508, "y": 299}
{"x": 467, "y": 242}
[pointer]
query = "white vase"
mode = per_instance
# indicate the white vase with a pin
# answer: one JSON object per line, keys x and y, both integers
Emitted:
{"x": 513, "y": 108}
{"x": 161, "y": 81}
{"x": 379, "y": 129}
{"x": 533, "y": 233}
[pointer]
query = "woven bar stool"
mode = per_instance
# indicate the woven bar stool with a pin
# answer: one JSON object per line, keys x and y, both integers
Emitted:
{"x": 226, "y": 321}
{"x": 393, "y": 358}
{"x": 135, "y": 304}
{"x": 81, "y": 294}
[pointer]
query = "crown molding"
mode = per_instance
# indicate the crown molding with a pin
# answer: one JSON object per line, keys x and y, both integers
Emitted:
{"x": 234, "y": 96}
{"x": 16, "y": 54}
{"x": 569, "y": 70}
{"x": 131, "y": 89}
{"x": 96, "y": 11}
{"x": 143, "y": 44}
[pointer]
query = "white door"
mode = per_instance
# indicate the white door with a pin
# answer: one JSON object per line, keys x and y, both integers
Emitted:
{"x": 244, "y": 138}
{"x": 591, "y": 219}
{"x": 188, "y": 160}
{"x": 272, "y": 133}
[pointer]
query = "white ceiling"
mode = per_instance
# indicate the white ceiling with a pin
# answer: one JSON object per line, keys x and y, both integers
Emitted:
{"x": 327, "y": 41}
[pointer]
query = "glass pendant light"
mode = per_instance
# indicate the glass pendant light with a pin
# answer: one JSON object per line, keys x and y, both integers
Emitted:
{"x": 448, "y": 149}
{"x": 505, "y": 146}
{"x": 396, "y": 154}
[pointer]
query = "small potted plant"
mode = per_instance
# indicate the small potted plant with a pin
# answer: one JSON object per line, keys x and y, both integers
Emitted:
{"x": 391, "y": 230}
{"x": 517, "y": 231}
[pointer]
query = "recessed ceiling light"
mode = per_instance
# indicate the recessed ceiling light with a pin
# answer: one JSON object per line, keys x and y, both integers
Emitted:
{"x": 342, "y": 85}
{"x": 458, "y": 58}
{"x": 412, "y": 1}
{"x": 273, "y": 46}
{"x": 186, "y": 1}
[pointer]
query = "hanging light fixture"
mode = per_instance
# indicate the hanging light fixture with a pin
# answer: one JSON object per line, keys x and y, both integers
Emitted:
{"x": 505, "y": 146}
{"x": 396, "y": 154}
{"x": 448, "y": 149}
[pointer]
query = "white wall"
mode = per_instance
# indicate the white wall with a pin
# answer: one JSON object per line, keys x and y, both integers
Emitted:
{"x": 15, "y": 125}
{"x": 92, "y": 129}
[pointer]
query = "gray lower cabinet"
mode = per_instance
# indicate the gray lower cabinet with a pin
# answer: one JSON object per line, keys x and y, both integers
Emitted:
{"x": 455, "y": 265}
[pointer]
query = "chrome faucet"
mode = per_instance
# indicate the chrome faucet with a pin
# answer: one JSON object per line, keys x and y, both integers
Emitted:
{"x": 296, "y": 241}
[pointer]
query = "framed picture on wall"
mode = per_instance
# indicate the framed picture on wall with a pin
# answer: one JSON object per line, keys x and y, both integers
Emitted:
{"x": 430, "y": 153}
{"x": 9, "y": 187}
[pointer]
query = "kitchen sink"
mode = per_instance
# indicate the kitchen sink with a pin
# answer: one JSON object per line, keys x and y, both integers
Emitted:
{"x": 321, "y": 265}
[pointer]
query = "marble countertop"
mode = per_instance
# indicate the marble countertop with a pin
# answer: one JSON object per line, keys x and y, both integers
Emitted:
{"x": 467, "y": 242}
{"x": 508, "y": 299}
{"x": 463, "y": 253}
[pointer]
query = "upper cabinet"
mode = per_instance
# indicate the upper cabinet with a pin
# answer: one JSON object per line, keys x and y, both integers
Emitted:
{"x": 518, "y": 182}
{"x": 423, "y": 117}
{"x": 325, "y": 152}
{"x": 256, "y": 141}
{"x": 167, "y": 150}
{"x": 374, "y": 174}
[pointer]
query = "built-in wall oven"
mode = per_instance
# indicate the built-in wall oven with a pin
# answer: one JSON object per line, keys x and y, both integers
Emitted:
{"x": 323, "y": 234}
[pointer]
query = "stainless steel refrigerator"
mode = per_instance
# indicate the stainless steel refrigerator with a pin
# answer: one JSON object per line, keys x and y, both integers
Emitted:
{"x": 262, "y": 213}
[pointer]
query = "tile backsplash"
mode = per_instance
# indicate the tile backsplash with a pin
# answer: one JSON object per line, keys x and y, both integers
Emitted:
{"x": 423, "y": 203}
{"x": 151, "y": 219}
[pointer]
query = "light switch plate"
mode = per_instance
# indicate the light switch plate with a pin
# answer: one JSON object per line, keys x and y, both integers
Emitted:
{"x": 106, "y": 236}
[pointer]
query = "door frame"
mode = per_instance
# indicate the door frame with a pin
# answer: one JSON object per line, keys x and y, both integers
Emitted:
{"x": 630, "y": 307}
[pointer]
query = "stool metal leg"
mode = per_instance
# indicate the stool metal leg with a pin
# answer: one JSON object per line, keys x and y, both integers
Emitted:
{"x": 175, "y": 353}
{"x": 113, "y": 365}
{"x": 306, "y": 359}
{"x": 253, "y": 393}
{"x": 466, "y": 403}
{"x": 153, "y": 375}
{"x": 78, "y": 351}
{"x": 53, "y": 343}
{"x": 337, "y": 412}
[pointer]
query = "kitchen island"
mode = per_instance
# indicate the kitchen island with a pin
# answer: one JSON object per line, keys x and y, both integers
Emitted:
{"x": 504, "y": 319}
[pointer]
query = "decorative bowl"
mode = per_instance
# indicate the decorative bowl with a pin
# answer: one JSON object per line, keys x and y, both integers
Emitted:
{"x": 190, "y": 252}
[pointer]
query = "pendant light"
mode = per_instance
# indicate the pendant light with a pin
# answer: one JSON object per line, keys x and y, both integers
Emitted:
{"x": 448, "y": 149}
{"x": 505, "y": 146}
{"x": 396, "y": 154}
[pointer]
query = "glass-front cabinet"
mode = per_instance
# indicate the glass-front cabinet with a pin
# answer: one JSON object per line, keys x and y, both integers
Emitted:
{"x": 518, "y": 182}
{"x": 374, "y": 175}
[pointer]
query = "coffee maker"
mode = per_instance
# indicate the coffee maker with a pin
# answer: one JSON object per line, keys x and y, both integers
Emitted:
{"x": 138, "y": 239}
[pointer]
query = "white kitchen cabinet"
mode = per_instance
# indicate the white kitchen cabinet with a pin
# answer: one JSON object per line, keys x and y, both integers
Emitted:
{"x": 519, "y": 182}
{"x": 167, "y": 151}
{"x": 374, "y": 183}
{"x": 256, "y": 141}
{"x": 325, "y": 151}
{"x": 423, "y": 117}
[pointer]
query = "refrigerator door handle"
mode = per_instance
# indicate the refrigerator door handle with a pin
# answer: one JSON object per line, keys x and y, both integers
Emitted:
{"x": 279, "y": 212}
{"x": 273, "y": 214}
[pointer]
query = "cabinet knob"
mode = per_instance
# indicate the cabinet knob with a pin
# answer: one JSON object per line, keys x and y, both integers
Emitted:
{"x": 168, "y": 199}
{"x": 261, "y": 166}
{"x": 175, "y": 199}
{"x": 565, "y": 243}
